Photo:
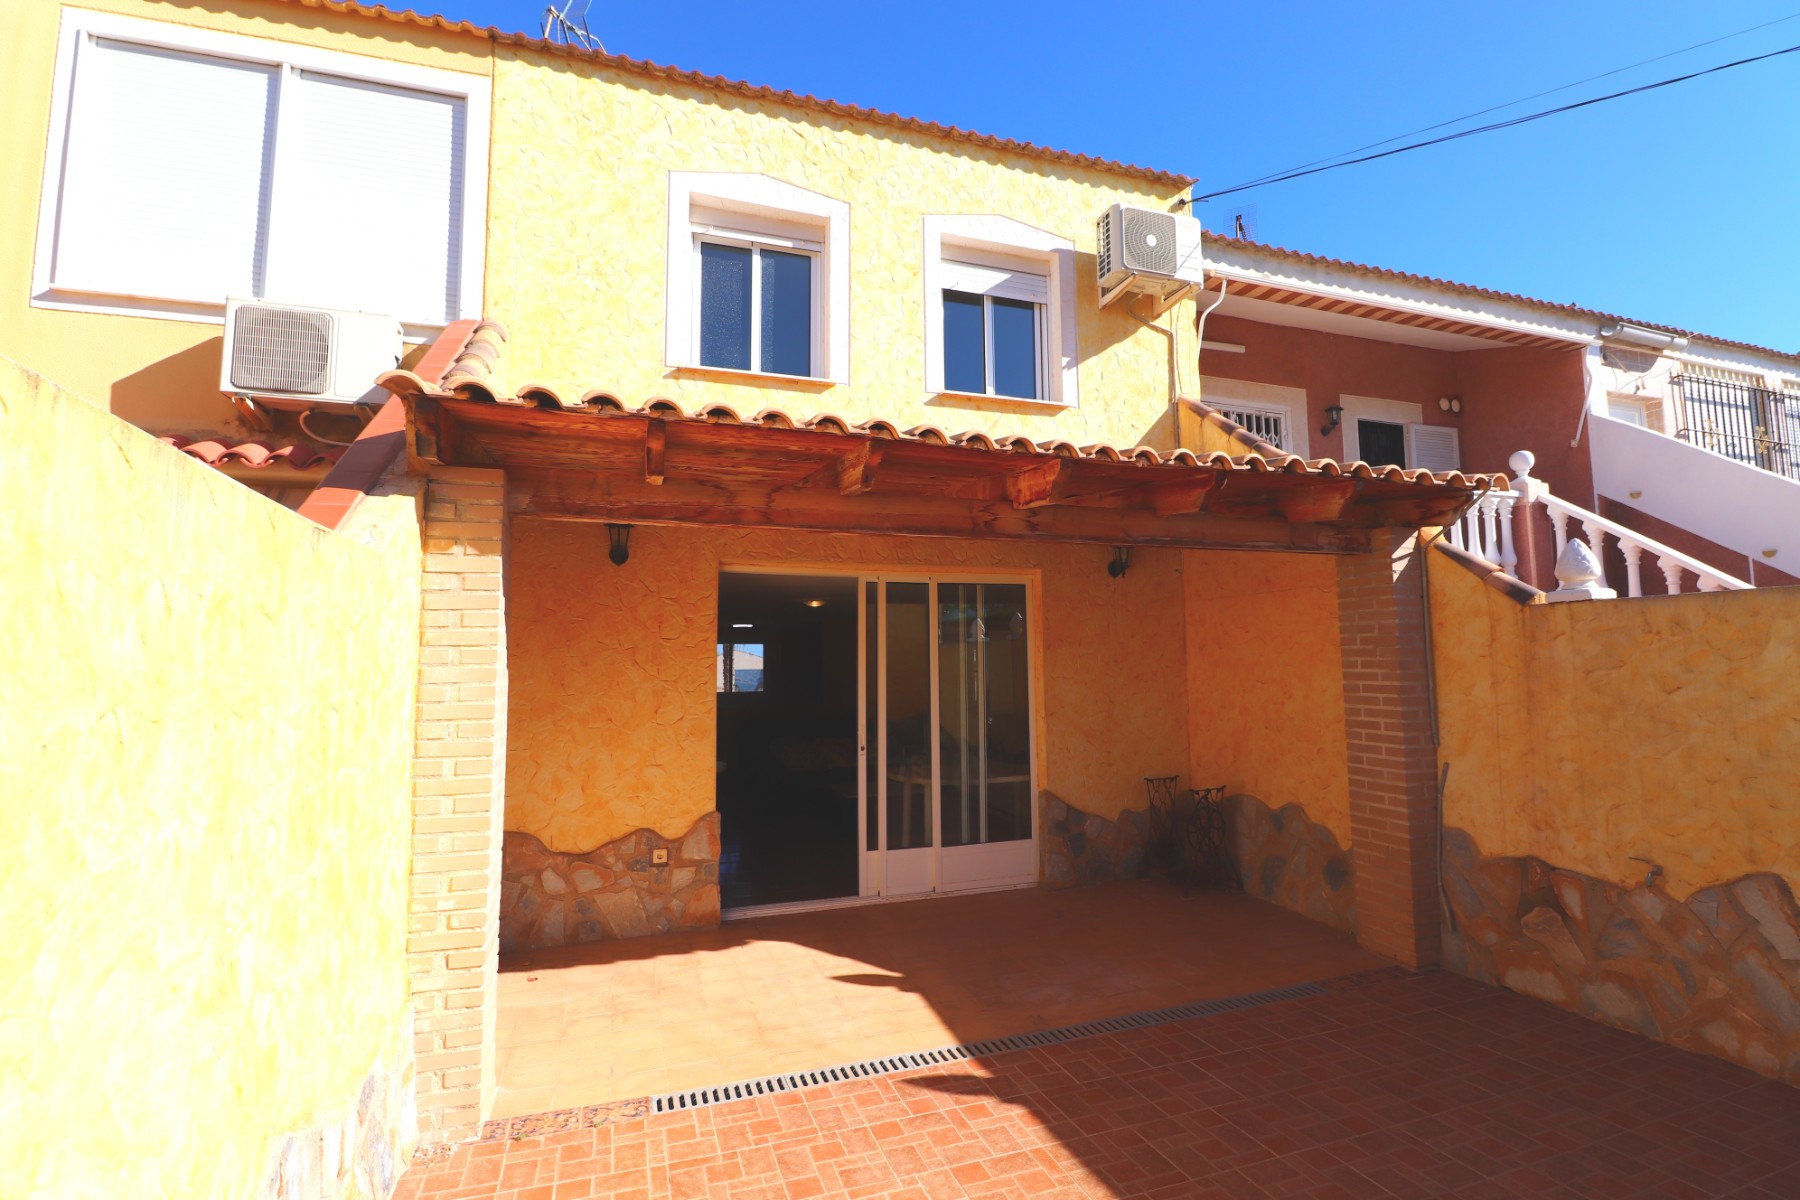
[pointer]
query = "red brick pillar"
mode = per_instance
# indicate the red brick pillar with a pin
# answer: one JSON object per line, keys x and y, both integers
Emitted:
{"x": 1392, "y": 761}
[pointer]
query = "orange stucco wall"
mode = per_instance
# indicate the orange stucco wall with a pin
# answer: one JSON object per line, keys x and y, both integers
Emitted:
{"x": 612, "y": 719}
{"x": 1265, "y": 693}
{"x": 1589, "y": 733}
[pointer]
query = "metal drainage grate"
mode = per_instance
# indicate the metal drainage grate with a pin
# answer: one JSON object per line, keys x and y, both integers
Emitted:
{"x": 870, "y": 1068}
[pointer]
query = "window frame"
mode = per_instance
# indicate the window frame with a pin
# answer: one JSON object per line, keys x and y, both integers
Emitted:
{"x": 1003, "y": 289}
{"x": 756, "y": 244}
{"x": 1290, "y": 403}
{"x": 756, "y": 210}
{"x": 80, "y": 26}
{"x": 1004, "y": 244}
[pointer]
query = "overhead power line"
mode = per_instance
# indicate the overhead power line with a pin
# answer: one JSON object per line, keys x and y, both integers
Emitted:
{"x": 1508, "y": 124}
{"x": 1724, "y": 37}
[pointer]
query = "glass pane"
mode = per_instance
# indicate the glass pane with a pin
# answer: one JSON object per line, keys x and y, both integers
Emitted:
{"x": 965, "y": 351}
{"x": 908, "y": 717}
{"x": 1015, "y": 348}
{"x": 984, "y": 713}
{"x": 724, "y": 306}
{"x": 786, "y": 312}
{"x": 872, "y": 715}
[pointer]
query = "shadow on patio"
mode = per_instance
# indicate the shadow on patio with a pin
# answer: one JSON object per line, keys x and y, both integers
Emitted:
{"x": 621, "y": 1020}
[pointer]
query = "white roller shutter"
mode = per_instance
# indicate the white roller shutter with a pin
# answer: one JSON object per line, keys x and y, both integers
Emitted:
{"x": 1433, "y": 447}
{"x": 165, "y": 174}
{"x": 370, "y": 209}
{"x": 994, "y": 281}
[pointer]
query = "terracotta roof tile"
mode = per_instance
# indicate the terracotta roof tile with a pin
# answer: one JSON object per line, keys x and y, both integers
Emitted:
{"x": 216, "y": 452}
{"x": 1469, "y": 289}
{"x": 750, "y": 91}
{"x": 1257, "y": 456}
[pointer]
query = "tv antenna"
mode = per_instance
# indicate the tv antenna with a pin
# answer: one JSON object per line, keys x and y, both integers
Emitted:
{"x": 566, "y": 23}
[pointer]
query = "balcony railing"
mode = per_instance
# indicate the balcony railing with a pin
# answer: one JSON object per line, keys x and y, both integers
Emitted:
{"x": 1749, "y": 424}
{"x": 1487, "y": 530}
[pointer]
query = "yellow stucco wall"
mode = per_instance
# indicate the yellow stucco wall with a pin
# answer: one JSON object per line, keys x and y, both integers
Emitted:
{"x": 205, "y": 743}
{"x": 1266, "y": 692}
{"x": 581, "y": 285}
{"x": 1587, "y": 733}
{"x": 157, "y": 373}
{"x": 612, "y": 724}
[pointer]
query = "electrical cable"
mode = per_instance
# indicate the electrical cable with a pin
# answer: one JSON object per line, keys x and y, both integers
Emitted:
{"x": 1507, "y": 124}
{"x": 1526, "y": 99}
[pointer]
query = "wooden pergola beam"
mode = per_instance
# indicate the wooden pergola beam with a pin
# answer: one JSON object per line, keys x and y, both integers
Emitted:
{"x": 589, "y": 496}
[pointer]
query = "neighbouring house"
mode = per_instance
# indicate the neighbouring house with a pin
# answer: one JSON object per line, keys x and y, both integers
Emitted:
{"x": 762, "y": 504}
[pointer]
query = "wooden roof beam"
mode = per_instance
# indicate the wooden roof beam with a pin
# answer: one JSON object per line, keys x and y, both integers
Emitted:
{"x": 586, "y": 496}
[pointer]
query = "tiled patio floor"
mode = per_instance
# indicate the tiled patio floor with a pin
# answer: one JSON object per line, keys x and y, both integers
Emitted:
{"x": 1389, "y": 1085}
{"x": 619, "y": 1020}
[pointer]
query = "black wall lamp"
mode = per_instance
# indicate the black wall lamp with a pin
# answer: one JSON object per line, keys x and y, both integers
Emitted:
{"x": 1121, "y": 562}
{"x": 1334, "y": 416}
{"x": 618, "y": 538}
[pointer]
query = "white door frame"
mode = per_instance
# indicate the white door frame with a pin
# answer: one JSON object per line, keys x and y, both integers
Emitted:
{"x": 871, "y": 864}
{"x": 1374, "y": 408}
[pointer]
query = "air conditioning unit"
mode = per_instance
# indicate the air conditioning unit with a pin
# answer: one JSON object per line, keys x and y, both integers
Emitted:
{"x": 281, "y": 352}
{"x": 1145, "y": 252}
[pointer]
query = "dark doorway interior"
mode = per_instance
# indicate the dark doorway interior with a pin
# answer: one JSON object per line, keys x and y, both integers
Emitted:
{"x": 1382, "y": 443}
{"x": 786, "y": 681}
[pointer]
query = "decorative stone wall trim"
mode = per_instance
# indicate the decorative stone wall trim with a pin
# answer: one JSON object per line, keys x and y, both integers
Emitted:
{"x": 1718, "y": 973}
{"x": 356, "y": 1154}
{"x": 1077, "y": 848}
{"x": 1289, "y": 859}
{"x": 548, "y": 898}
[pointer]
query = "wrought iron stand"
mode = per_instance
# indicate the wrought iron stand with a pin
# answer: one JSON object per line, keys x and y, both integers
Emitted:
{"x": 1187, "y": 834}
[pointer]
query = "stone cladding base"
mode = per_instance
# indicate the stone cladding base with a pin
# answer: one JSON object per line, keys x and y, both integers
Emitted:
{"x": 355, "y": 1154}
{"x": 1718, "y": 973}
{"x": 1286, "y": 858}
{"x": 619, "y": 890}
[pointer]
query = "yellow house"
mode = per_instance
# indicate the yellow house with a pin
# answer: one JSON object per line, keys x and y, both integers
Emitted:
{"x": 786, "y": 513}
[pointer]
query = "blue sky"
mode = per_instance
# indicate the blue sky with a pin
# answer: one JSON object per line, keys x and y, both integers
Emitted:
{"x": 1678, "y": 206}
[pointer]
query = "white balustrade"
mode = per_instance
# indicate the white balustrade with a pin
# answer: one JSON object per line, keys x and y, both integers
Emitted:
{"x": 1674, "y": 564}
{"x": 1486, "y": 529}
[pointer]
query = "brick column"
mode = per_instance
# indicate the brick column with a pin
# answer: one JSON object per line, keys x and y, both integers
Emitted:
{"x": 459, "y": 762}
{"x": 1393, "y": 764}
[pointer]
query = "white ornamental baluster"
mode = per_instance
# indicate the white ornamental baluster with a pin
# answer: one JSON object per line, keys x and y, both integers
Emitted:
{"x": 1596, "y": 539}
{"x": 1559, "y": 522}
{"x": 1456, "y": 534}
{"x": 1709, "y": 584}
{"x": 1671, "y": 569}
{"x": 1634, "y": 574}
{"x": 1509, "y": 554}
{"x": 1490, "y": 540}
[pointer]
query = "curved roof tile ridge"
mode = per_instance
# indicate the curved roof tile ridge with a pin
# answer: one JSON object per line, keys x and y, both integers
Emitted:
{"x": 751, "y": 91}
{"x": 217, "y": 451}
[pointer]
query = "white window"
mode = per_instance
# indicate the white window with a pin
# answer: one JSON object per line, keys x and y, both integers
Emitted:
{"x": 758, "y": 277}
{"x": 994, "y": 322}
{"x": 1269, "y": 411}
{"x": 999, "y": 311}
{"x": 187, "y": 166}
{"x": 1630, "y": 410}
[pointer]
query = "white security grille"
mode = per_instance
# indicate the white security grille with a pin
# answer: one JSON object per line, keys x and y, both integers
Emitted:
{"x": 1269, "y": 424}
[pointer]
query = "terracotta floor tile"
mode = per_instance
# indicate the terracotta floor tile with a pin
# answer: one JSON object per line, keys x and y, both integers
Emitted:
{"x": 1377, "y": 1090}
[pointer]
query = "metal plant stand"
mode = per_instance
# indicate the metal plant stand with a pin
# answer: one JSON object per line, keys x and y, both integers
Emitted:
{"x": 1188, "y": 834}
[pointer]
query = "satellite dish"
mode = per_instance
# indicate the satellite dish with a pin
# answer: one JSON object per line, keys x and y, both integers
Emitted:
{"x": 566, "y": 24}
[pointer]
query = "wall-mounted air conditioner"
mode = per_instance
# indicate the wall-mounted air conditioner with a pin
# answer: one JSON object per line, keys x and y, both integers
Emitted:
{"x": 278, "y": 352}
{"x": 1144, "y": 252}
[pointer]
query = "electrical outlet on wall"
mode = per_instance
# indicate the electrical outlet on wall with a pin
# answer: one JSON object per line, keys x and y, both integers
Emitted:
{"x": 659, "y": 857}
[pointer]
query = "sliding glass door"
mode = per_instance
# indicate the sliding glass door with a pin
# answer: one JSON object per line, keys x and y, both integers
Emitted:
{"x": 947, "y": 736}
